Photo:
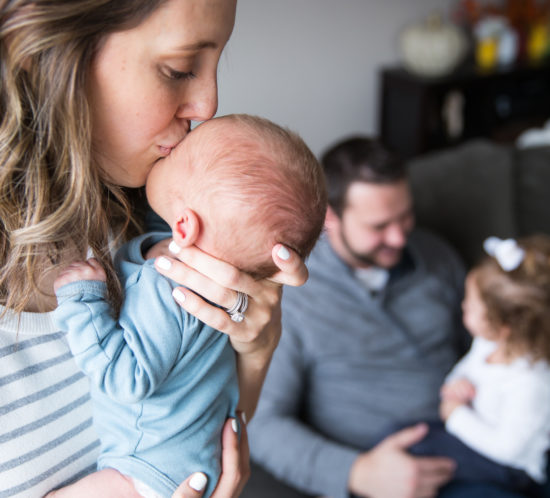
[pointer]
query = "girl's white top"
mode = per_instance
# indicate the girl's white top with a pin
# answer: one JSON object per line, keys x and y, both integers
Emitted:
{"x": 46, "y": 433}
{"x": 509, "y": 419}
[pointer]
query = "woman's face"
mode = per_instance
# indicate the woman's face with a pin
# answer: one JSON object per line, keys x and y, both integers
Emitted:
{"x": 147, "y": 84}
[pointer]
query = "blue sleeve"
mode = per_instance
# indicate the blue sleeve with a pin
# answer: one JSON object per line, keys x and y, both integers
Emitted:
{"x": 127, "y": 360}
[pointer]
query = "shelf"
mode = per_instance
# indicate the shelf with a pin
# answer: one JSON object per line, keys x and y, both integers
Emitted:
{"x": 418, "y": 114}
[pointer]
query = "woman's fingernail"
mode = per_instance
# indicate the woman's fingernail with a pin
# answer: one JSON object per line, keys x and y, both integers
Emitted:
{"x": 174, "y": 248}
{"x": 283, "y": 253}
{"x": 198, "y": 481}
{"x": 164, "y": 263}
{"x": 243, "y": 417}
{"x": 235, "y": 425}
{"x": 178, "y": 295}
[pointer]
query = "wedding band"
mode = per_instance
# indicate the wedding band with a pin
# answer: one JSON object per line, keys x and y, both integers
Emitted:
{"x": 236, "y": 312}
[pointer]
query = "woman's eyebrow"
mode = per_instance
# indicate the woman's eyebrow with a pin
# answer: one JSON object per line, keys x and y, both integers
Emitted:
{"x": 198, "y": 45}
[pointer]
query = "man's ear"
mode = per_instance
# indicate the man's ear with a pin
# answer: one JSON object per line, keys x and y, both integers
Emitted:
{"x": 186, "y": 228}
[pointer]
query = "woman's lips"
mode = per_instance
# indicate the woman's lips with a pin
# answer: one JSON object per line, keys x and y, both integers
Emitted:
{"x": 165, "y": 149}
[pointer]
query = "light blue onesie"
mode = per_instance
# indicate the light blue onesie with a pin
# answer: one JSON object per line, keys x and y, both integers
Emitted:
{"x": 162, "y": 382}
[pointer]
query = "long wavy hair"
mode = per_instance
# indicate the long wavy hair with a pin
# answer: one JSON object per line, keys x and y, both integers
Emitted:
{"x": 52, "y": 196}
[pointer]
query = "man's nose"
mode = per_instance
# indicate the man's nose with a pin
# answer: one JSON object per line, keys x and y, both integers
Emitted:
{"x": 396, "y": 235}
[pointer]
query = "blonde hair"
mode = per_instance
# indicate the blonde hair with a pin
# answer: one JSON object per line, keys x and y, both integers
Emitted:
{"x": 52, "y": 198}
{"x": 520, "y": 299}
{"x": 258, "y": 178}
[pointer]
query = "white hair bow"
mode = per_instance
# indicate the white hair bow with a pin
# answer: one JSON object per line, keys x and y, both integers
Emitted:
{"x": 507, "y": 252}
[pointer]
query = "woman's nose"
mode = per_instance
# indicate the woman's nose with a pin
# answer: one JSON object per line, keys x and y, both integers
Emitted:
{"x": 200, "y": 100}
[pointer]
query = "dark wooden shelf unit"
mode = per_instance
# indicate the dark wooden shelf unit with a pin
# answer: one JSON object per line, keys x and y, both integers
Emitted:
{"x": 498, "y": 105}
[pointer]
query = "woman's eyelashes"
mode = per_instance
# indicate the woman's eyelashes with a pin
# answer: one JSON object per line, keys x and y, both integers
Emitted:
{"x": 173, "y": 74}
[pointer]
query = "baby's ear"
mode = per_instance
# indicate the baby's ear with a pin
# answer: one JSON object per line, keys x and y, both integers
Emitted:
{"x": 186, "y": 228}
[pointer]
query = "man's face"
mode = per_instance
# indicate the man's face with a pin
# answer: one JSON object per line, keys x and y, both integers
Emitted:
{"x": 374, "y": 226}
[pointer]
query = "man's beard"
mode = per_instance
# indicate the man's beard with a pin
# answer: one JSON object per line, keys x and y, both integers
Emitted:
{"x": 367, "y": 258}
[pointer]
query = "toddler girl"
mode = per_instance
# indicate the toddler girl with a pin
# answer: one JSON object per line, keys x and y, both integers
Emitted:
{"x": 496, "y": 401}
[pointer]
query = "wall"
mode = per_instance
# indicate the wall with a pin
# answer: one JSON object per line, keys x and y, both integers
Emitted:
{"x": 312, "y": 65}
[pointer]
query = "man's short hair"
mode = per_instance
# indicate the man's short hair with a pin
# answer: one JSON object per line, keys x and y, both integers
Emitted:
{"x": 358, "y": 159}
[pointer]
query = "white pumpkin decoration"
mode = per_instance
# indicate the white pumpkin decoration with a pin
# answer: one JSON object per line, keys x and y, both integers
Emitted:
{"x": 433, "y": 48}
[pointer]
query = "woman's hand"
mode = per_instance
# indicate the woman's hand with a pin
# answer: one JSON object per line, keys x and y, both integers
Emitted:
{"x": 109, "y": 483}
{"x": 235, "y": 467}
{"x": 255, "y": 338}
{"x": 218, "y": 282}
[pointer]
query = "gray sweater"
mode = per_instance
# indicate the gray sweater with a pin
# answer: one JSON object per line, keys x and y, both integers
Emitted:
{"x": 351, "y": 365}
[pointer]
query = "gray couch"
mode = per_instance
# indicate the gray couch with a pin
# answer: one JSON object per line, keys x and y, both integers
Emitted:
{"x": 480, "y": 189}
{"x": 465, "y": 194}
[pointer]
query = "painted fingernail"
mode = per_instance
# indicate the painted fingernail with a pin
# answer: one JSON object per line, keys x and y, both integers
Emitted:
{"x": 178, "y": 295}
{"x": 235, "y": 425}
{"x": 198, "y": 481}
{"x": 174, "y": 248}
{"x": 164, "y": 263}
{"x": 243, "y": 417}
{"x": 283, "y": 253}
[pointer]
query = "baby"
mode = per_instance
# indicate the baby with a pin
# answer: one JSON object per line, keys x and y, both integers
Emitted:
{"x": 496, "y": 401}
{"x": 162, "y": 382}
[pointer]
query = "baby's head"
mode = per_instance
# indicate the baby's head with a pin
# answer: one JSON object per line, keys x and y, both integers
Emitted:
{"x": 236, "y": 186}
{"x": 511, "y": 288}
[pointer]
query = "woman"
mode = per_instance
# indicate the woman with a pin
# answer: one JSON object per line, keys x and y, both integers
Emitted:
{"x": 93, "y": 92}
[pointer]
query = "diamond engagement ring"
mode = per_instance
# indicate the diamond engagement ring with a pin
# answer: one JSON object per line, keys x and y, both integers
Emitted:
{"x": 236, "y": 312}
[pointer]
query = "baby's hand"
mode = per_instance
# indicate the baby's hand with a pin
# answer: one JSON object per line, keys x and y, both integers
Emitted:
{"x": 80, "y": 270}
{"x": 459, "y": 390}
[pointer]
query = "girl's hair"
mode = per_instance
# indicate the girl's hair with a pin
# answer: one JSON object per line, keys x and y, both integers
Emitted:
{"x": 520, "y": 299}
{"x": 52, "y": 198}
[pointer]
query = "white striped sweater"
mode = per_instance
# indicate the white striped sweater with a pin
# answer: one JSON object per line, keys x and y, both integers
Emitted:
{"x": 46, "y": 434}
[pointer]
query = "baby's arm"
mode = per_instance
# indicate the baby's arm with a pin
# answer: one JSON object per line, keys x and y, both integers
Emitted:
{"x": 518, "y": 418}
{"x": 125, "y": 359}
{"x": 80, "y": 270}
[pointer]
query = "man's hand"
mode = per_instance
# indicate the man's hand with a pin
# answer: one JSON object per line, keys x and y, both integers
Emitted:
{"x": 388, "y": 470}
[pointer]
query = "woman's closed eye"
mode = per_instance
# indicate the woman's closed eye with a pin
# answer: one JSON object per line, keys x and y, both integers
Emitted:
{"x": 174, "y": 74}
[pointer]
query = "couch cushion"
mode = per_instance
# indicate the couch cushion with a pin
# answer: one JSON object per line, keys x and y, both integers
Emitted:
{"x": 533, "y": 190}
{"x": 465, "y": 194}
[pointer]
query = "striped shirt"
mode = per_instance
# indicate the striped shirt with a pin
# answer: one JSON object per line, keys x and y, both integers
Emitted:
{"x": 46, "y": 434}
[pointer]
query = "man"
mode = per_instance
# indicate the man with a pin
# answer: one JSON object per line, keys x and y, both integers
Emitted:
{"x": 366, "y": 342}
